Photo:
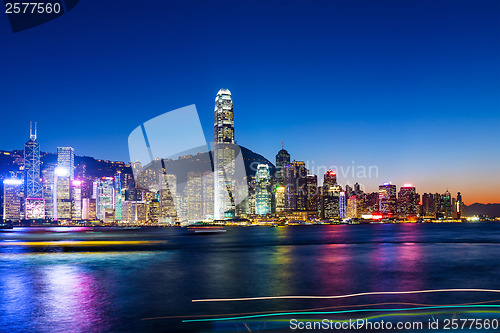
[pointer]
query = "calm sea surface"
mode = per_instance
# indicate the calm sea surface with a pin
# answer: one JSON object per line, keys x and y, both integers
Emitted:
{"x": 112, "y": 287}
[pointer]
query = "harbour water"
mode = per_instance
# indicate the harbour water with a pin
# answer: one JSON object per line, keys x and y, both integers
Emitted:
{"x": 130, "y": 280}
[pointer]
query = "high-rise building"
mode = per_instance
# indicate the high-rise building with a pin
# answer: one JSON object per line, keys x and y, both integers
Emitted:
{"x": 342, "y": 205}
{"x": 279, "y": 197}
{"x": 355, "y": 206}
{"x": 330, "y": 178}
{"x": 76, "y": 202}
{"x": 295, "y": 192}
{"x": 311, "y": 193}
{"x": 66, "y": 160}
{"x": 428, "y": 205}
{"x": 62, "y": 194}
{"x": 459, "y": 207}
{"x": 154, "y": 211}
{"x": 282, "y": 160}
{"x": 407, "y": 201}
{"x": 194, "y": 196}
{"x": 387, "y": 199}
{"x": 224, "y": 156}
{"x": 105, "y": 196}
{"x": 88, "y": 209}
{"x": 446, "y": 205}
{"x": 32, "y": 166}
{"x": 48, "y": 189}
{"x": 119, "y": 196}
{"x": 13, "y": 195}
{"x": 262, "y": 190}
{"x": 328, "y": 198}
{"x": 331, "y": 202}
{"x": 169, "y": 208}
{"x": 207, "y": 182}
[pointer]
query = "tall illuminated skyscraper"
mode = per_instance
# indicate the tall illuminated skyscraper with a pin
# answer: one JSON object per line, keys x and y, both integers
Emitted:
{"x": 387, "y": 199}
{"x": 12, "y": 198}
{"x": 62, "y": 194}
{"x": 104, "y": 193}
{"x": 407, "y": 201}
{"x": 66, "y": 160}
{"x": 282, "y": 160}
{"x": 224, "y": 155}
{"x": 32, "y": 166}
{"x": 76, "y": 202}
{"x": 262, "y": 190}
{"x": 295, "y": 193}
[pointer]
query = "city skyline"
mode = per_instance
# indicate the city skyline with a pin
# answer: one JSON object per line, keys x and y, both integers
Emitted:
{"x": 65, "y": 158}
{"x": 296, "y": 192}
{"x": 408, "y": 87}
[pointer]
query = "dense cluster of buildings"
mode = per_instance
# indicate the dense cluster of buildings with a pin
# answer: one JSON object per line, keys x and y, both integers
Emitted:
{"x": 64, "y": 191}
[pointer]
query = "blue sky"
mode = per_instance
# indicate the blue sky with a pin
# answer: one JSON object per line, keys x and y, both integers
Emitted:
{"x": 412, "y": 87}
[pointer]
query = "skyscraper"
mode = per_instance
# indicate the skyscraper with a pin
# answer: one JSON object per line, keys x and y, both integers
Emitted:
{"x": 407, "y": 201}
{"x": 295, "y": 192}
{"x": 62, "y": 194}
{"x": 12, "y": 199}
{"x": 262, "y": 190}
{"x": 76, "y": 202}
{"x": 66, "y": 160}
{"x": 105, "y": 196}
{"x": 32, "y": 166}
{"x": 282, "y": 160}
{"x": 224, "y": 155}
{"x": 387, "y": 199}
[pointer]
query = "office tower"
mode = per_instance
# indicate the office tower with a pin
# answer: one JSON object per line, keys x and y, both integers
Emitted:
{"x": 207, "y": 181}
{"x": 330, "y": 178}
{"x": 331, "y": 202}
{"x": 32, "y": 166}
{"x": 295, "y": 194}
{"x": 48, "y": 189}
{"x": 13, "y": 195}
{"x": 154, "y": 211}
{"x": 88, "y": 209}
{"x": 342, "y": 205}
{"x": 262, "y": 190}
{"x": 194, "y": 196}
{"x": 446, "y": 205}
{"x": 66, "y": 160}
{"x": 224, "y": 155}
{"x": 459, "y": 207}
{"x": 170, "y": 210}
{"x": 279, "y": 195}
{"x": 311, "y": 193}
{"x": 428, "y": 205}
{"x": 104, "y": 193}
{"x": 387, "y": 199}
{"x": 282, "y": 160}
{"x": 245, "y": 196}
{"x": 407, "y": 201}
{"x": 326, "y": 196}
{"x": 127, "y": 211}
{"x": 62, "y": 194}
{"x": 354, "y": 207}
{"x": 76, "y": 202}
{"x": 141, "y": 211}
{"x": 119, "y": 195}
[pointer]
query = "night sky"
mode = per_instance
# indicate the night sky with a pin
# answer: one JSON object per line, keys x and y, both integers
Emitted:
{"x": 412, "y": 87}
